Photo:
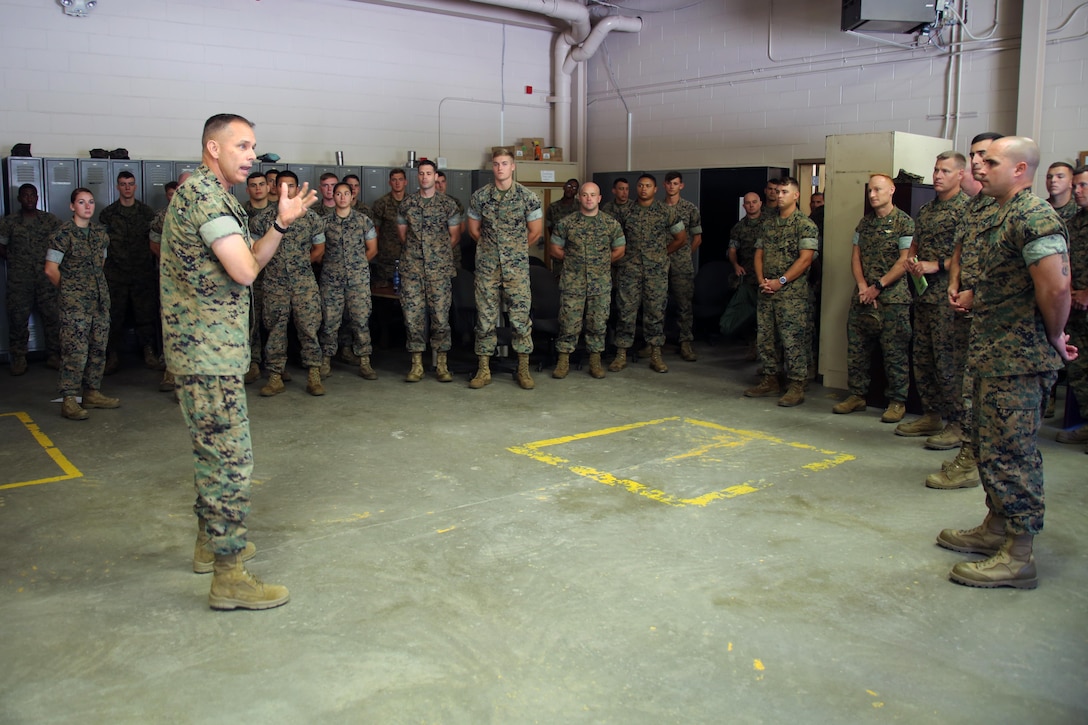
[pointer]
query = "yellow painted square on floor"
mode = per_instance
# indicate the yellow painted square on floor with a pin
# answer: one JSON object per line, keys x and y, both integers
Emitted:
{"x": 35, "y": 459}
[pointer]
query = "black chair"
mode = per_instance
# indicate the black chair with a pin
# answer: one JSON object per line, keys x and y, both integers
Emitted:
{"x": 713, "y": 291}
{"x": 544, "y": 309}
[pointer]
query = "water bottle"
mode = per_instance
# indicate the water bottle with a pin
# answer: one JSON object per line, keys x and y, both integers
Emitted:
{"x": 396, "y": 276}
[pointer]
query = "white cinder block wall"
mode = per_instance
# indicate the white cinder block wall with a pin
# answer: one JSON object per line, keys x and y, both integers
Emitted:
{"x": 735, "y": 83}
{"x": 316, "y": 77}
{"x": 720, "y": 83}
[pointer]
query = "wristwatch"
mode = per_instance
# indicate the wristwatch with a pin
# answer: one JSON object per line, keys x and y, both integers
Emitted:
{"x": 782, "y": 280}
{"x": 879, "y": 285}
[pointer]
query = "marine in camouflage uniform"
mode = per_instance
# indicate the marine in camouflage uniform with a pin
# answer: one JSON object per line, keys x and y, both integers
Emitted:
{"x": 24, "y": 240}
{"x": 429, "y": 226}
{"x": 1067, "y": 211}
{"x": 345, "y": 281}
{"x": 84, "y": 303}
{"x": 783, "y": 318}
{"x": 743, "y": 237}
{"x": 881, "y": 242}
{"x": 682, "y": 269}
{"x": 1077, "y": 325}
{"x": 585, "y": 287}
{"x": 502, "y": 262}
{"x": 936, "y": 230}
{"x": 290, "y": 289}
{"x": 457, "y": 252}
{"x": 642, "y": 276}
{"x": 130, "y": 272}
{"x": 386, "y": 209}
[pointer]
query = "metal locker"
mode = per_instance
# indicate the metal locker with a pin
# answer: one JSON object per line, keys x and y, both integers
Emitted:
{"x": 94, "y": 175}
{"x": 375, "y": 184}
{"x": 459, "y": 185}
{"x": 180, "y": 167}
{"x": 61, "y": 179}
{"x": 18, "y": 171}
{"x": 305, "y": 174}
{"x": 157, "y": 174}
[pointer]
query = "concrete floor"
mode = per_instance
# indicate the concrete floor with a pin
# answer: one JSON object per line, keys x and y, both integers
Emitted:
{"x": 702, "y": 558}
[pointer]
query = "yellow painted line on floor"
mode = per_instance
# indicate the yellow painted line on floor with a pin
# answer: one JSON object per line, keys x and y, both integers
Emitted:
{"x": 729, "y": 438}
{"x": 51, "y": 450}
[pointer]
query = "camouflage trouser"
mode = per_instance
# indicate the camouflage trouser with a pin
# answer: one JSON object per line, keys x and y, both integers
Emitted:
{"x": 682, "y": 289}
{"x": 305, "y": 303}
{"x": 1077, "y": 371}
{"x": 385, "y": 261}
{"x": 489, "y": 286}
{"x": 894, "y": 340}
{"x": 354, "y": 299}
{"x": 23, "y": 296}
{"x": 1008, "y": 411}
{"x": 420, "y": 294}
{"x": 255, "y": 307}
{"x": 934, "y": 359}
{"x": 214, "y": 409}
{"x": 572, "y": 307}
{"x": 963, "y": 384}
{"x": 783, "y": 321}
{"x": 638, "y": 284}
{"x": 141, "y": 294}
{"x": 84, "y": 333}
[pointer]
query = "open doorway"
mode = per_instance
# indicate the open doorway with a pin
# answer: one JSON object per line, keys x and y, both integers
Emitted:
{"x": 812, "y": 175}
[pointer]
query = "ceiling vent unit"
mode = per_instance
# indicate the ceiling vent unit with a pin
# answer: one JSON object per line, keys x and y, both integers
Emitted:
{"x": 887, "y": 16}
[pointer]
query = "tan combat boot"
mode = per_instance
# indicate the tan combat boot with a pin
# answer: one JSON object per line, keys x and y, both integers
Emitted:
{"x": 204, "y": 559}
{"x": 986, "y": 538}
{"x": 795, "y": 394}
{"x": 151, "y": 360}
{"x": 18, "y": 365}
{"x": 525, "y": 380}
{"x": 851, "y": 404}
{"x": 313, "y": 382}
{"x": 326, "y": 366}
{"x": 253, "y": 374}
{"x": 71, "y": 409}
{"x": 348, "y": 355}
{"x": 595, "y": 368}
{"x": 167, "y": 383}
{"x": 645, "y": 351}
{"x": 562, "y": 367}
{"x": 1077, "y": 435}
{"x": 928, "y": 425}
{"x": 366, "y": 372}
{"x": 949, "y": 438}
{"x": 95, "y": 399}
{"x": 962, "y": 472}
{"x": 483, "y": 373}
{"x": 686, "y": 351}
{"x": 415, "y": 373}
{"x": 620, "y": 361}
{"x": 441, "y": 369}
{"x": 275, "y": 385}
{"x": 894, "y": 412}
{"x": 656, "y": 363}
{"x": 768, "y": 386}
{"x": 235, "y": 588}
{"x": 1013, "y": 565}
{"x": 113, "y": 363}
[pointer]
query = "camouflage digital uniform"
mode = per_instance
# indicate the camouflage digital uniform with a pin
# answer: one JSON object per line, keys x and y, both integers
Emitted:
{"x": 784, "y": 318}
{"x": 290, "y": 289}
{"x": 585, "y": 287}
{"x": 426, "y": 269}
{"x": 27, "y": 239}
{"x": 205, "y": 321}
{"x": 457, "y": 247}
{"x": 979, "y": 210}
{"x": 502, "y": 262}
{"x": 880, "y": 240}
{"x": 260, "y": 221}
{"x": 1012, "y": 360}
{"x": 1068, "y": 210}
{"x": 682, "y": 269}
{"x": 642, "y": 275}
{"x": 345, "y": 282}
{"x": 1077, "y": 326}
{"x": 936, "y": 230}
{"x": 743, "y": 237}
{"x": 559, "y": 210}
{"x": 84, "y": 303}
{"x": 384, "y": 217}
{"x": 130, "y": 272}
{"x": 613, "y": 209}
